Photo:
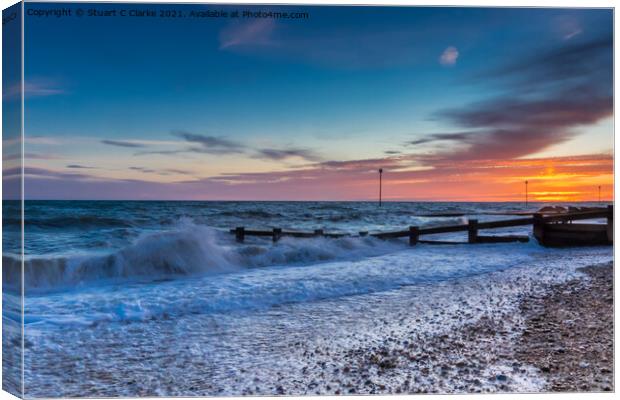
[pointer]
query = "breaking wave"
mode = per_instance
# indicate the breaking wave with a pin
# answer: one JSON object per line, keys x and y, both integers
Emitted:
{"x": 186, "y": 250}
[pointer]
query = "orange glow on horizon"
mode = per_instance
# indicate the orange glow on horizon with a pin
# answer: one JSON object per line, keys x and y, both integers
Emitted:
{"x": 560, "y": 179}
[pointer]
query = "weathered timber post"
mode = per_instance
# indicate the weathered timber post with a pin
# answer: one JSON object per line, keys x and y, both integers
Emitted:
{"x": 318, "y": 232}
{"x": 277, "y": 233}
{"x": 539, "y": 227}
{"x": 610, "y": 223}
{"x": 414, "y": 235}
{"x": 240, "y": 234}
{"x": 472, "y": 231}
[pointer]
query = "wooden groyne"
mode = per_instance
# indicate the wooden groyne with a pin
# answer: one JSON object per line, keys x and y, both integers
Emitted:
{"x": 473, "y": 228}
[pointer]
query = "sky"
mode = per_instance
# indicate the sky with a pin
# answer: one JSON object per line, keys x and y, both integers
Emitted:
{"x": 454, "y": 104}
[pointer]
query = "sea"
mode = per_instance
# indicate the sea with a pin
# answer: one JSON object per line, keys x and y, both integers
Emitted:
{"x": 132, "y": 298}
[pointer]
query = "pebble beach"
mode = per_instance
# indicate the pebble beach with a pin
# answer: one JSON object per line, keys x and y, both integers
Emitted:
{"x": 560, "y": 340}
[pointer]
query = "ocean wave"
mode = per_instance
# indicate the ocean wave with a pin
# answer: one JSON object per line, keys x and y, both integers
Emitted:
{"x": 259, "y": 289}
{"x": 352, "y": 216}
{"x": 64, "y": 222}
{"x": 251, "y": 214}
{"x": 188, "y": 249}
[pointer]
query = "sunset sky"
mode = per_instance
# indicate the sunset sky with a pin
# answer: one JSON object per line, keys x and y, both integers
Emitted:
{"x": 453, "y": 103}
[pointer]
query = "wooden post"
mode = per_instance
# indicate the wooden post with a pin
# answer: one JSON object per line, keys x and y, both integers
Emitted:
{"x": 318, "y": 232}
{"x": 277, "y": 233}
{"x": 414, "y": 235}
{"x": 610, "y": 223}
{"x": 240, "y": 234}
{"x": 472, "y": 231}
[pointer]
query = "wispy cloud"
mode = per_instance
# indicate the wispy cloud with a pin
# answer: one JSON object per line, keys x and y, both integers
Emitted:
{"x": 79, "y": 166}
{"x": 210, "y": 144}
{"x": 283, "y": 154}
{"x": 254, "y": 32}
{"x": 30, "y": 156}
{"x": 31, "y": 89}
{"x": 567, "y": 26}
{"x": 142, "y": 169}
{"x": 493, "y": 180}
{"x": 178, "y": 171}
{"x": 442, "y": 137}
{"x": 449, "y": 56}
{"x": 42, "y": 140}
{"x": 572, "y": 177}
{"x": 123, "y": 143}
{"x": 163, "y": 172}
{"x": 376, "y": 46}
{"x": 547, "y": 97}
{"x": 217, "y": 145}
{"x": 41, "y": 89}
{"x": 48, "y": 173}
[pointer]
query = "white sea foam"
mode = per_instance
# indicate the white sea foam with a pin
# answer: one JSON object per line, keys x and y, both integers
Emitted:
{"x": 292, "y": 271}
{"x": 188, "y": 249}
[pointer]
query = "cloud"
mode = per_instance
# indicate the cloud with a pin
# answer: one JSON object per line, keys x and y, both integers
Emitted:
{"x": 493, "y": 180}
{"x": 282, "y": 154}
{"x": 255, "y": 32}
{"x": 123, "y": 143}
{"x": 377, "y": 46}
{"x": 546, "y": 98}
{"x": 142, "y": 169}
{"x": 31, "y": 89}
{"x": 177, "y": 171}
{"x": 29, "y": 156}
{"x": 209, "y": 144}
{"x": 47, "y": 173}
{"x": 571, "y": 67}
{"x": 449, "y": 56}
{"x": 42, "y": 140}
{"x": 572, "y": 34}
{"x": 566, "y": 26}
{"x": 41, "y": 89}
{"x": 163, "y": 172}
{"x": 163, "y": 152}
{"x": 206, "y": 144}
{"x": 366, "y": 165}
{"x": 78, "y": 166}
{"x": 573, "y": 177}
{"x": 441, "y": 137}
